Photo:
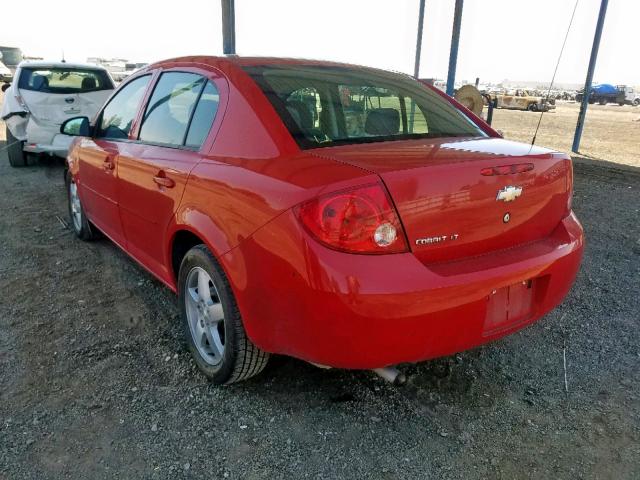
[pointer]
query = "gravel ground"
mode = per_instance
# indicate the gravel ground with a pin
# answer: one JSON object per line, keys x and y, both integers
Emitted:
{"x": 96, "y": 382}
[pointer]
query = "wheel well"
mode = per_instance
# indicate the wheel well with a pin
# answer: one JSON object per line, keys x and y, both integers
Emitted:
{"x": 183, "y": 241}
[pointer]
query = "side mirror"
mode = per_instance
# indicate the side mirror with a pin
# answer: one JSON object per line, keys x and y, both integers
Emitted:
{"x": 76, "y": 127}
{"x": 5, "y": 87}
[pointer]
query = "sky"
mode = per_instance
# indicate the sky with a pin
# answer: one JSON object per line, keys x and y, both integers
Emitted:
{"x": 500, "y": 39}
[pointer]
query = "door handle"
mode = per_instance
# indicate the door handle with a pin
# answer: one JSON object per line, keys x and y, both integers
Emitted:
{"x": 108, "y": 164}
{"x": 164, "y": 181}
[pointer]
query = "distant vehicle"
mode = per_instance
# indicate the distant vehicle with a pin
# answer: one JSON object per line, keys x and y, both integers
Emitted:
{"x": 523, "y": 100}
{"x": 350, "y": 217}
{"x": 118, "y": 68}
{"x": 6, "y": 75}
{"x": 42, "y": 96}
{"x": 631, "y": 97}
{"x": 11, "y": 57}
{"x": 606, "y": 93}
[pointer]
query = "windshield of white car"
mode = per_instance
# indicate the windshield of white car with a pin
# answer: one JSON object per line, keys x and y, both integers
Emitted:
{"x": 63, "y": 80}
{"x": 323, "y": 106}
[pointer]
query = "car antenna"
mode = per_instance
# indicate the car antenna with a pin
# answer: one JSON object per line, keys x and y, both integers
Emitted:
{"x": 553, "y": 78}
{"x": 63, "y": 60}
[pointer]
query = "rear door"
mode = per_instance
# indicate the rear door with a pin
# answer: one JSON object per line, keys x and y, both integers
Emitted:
{"x": 153, "y": 170}
{"x": 98, "y": 157}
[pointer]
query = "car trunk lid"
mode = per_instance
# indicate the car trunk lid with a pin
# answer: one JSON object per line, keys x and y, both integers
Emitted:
{"x": 459, "y": 197}
{"x": 52, "y": 109}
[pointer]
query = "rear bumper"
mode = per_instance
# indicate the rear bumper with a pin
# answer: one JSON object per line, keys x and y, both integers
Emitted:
{"x": 359, "y": 311}
{"x": 59, "y": 146}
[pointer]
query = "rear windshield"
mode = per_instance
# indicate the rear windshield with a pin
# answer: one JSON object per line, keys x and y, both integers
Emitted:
{"x": 64, "y": 80}
{"x": 324, "y": 106}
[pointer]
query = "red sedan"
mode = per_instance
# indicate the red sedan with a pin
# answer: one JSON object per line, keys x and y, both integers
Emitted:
{"x": 347, "y": 216}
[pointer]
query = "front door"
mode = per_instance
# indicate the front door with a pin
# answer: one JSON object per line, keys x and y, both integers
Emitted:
{"x": 98, "y": 158}
{"x": 98, "y": 185}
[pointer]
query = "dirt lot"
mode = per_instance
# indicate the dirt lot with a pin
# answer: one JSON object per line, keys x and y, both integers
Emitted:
{"x": 611, "y": 132}
{"x": 95, "y": 381}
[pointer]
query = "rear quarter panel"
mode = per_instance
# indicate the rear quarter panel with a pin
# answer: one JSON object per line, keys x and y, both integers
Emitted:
{"x": 252, "y": 173}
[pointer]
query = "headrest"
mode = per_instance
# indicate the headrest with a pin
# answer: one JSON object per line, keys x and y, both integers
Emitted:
{"x": 382, "y": 121}
{"x": 40, "y": 82}
{"x": 300, "y": 113}
{"x": 88, "y": 83}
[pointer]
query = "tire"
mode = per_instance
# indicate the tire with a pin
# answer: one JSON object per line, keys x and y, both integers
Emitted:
{"x": 212, "y": 323}
{"x": 533, "y": 107}
{"x": 77, "y": 217}
{"x": 17, "y": 156}
{"x": 636, "y": 102}
{"x": 621, "y": 104}
{"x": 602, "y": 101}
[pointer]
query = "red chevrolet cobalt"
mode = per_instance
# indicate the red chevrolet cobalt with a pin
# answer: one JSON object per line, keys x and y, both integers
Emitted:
{"x": 343, "y": 215}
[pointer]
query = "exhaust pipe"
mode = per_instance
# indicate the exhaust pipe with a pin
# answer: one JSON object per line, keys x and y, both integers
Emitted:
{"x": 391, "y": 375}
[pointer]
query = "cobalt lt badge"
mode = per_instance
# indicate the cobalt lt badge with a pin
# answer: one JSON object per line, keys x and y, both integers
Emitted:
{"x": 506, "y": 218}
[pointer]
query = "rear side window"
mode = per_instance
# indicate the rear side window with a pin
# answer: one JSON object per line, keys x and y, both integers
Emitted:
{"x": 117, "y": 117}
{"x": 180, "y": 111}
{"x": 64, "y": 80}
{"x": 203, "y": 116}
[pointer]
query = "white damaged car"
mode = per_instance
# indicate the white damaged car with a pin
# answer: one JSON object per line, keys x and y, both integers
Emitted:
{"x": 42, "y": 96}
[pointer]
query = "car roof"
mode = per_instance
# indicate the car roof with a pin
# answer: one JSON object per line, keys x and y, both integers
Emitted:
{"x": 45, "y": 64}
{"x": 241, "y": 61}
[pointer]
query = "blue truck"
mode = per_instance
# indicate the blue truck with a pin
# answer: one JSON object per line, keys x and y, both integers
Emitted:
{"x": 604, "y": 93}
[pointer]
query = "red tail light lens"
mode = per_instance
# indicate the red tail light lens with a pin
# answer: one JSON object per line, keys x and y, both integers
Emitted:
{"x": 569, "y": 178}
{"x": 361, "y": 220}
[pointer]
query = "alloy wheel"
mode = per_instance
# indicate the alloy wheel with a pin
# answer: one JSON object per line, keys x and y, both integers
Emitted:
{"x": 76, "y": 207}
{"x": 205, "y": 315}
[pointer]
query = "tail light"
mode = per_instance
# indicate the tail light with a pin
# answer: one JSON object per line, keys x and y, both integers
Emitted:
{"x": 22, "y": 103}
{"x": 507, "y": 169}
{"x": 360, "y": 220}
{"x": 569, "y": 178}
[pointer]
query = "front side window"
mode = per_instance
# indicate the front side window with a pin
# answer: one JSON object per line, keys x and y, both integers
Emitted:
{"x": 325, "y": 106}
{"x": 64, "y": 80}
{"x": 117, "y": 117}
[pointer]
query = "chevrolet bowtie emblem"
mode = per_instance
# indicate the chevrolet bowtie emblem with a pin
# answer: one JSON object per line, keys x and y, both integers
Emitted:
{"x": 509, "y": 194}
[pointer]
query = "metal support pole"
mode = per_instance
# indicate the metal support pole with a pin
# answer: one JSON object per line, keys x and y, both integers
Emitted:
{"x": 228, "y": 27}
{"x": 589, "y": 80}
{"x": 455, "y": 40}
{"x": 416, "y": 68}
